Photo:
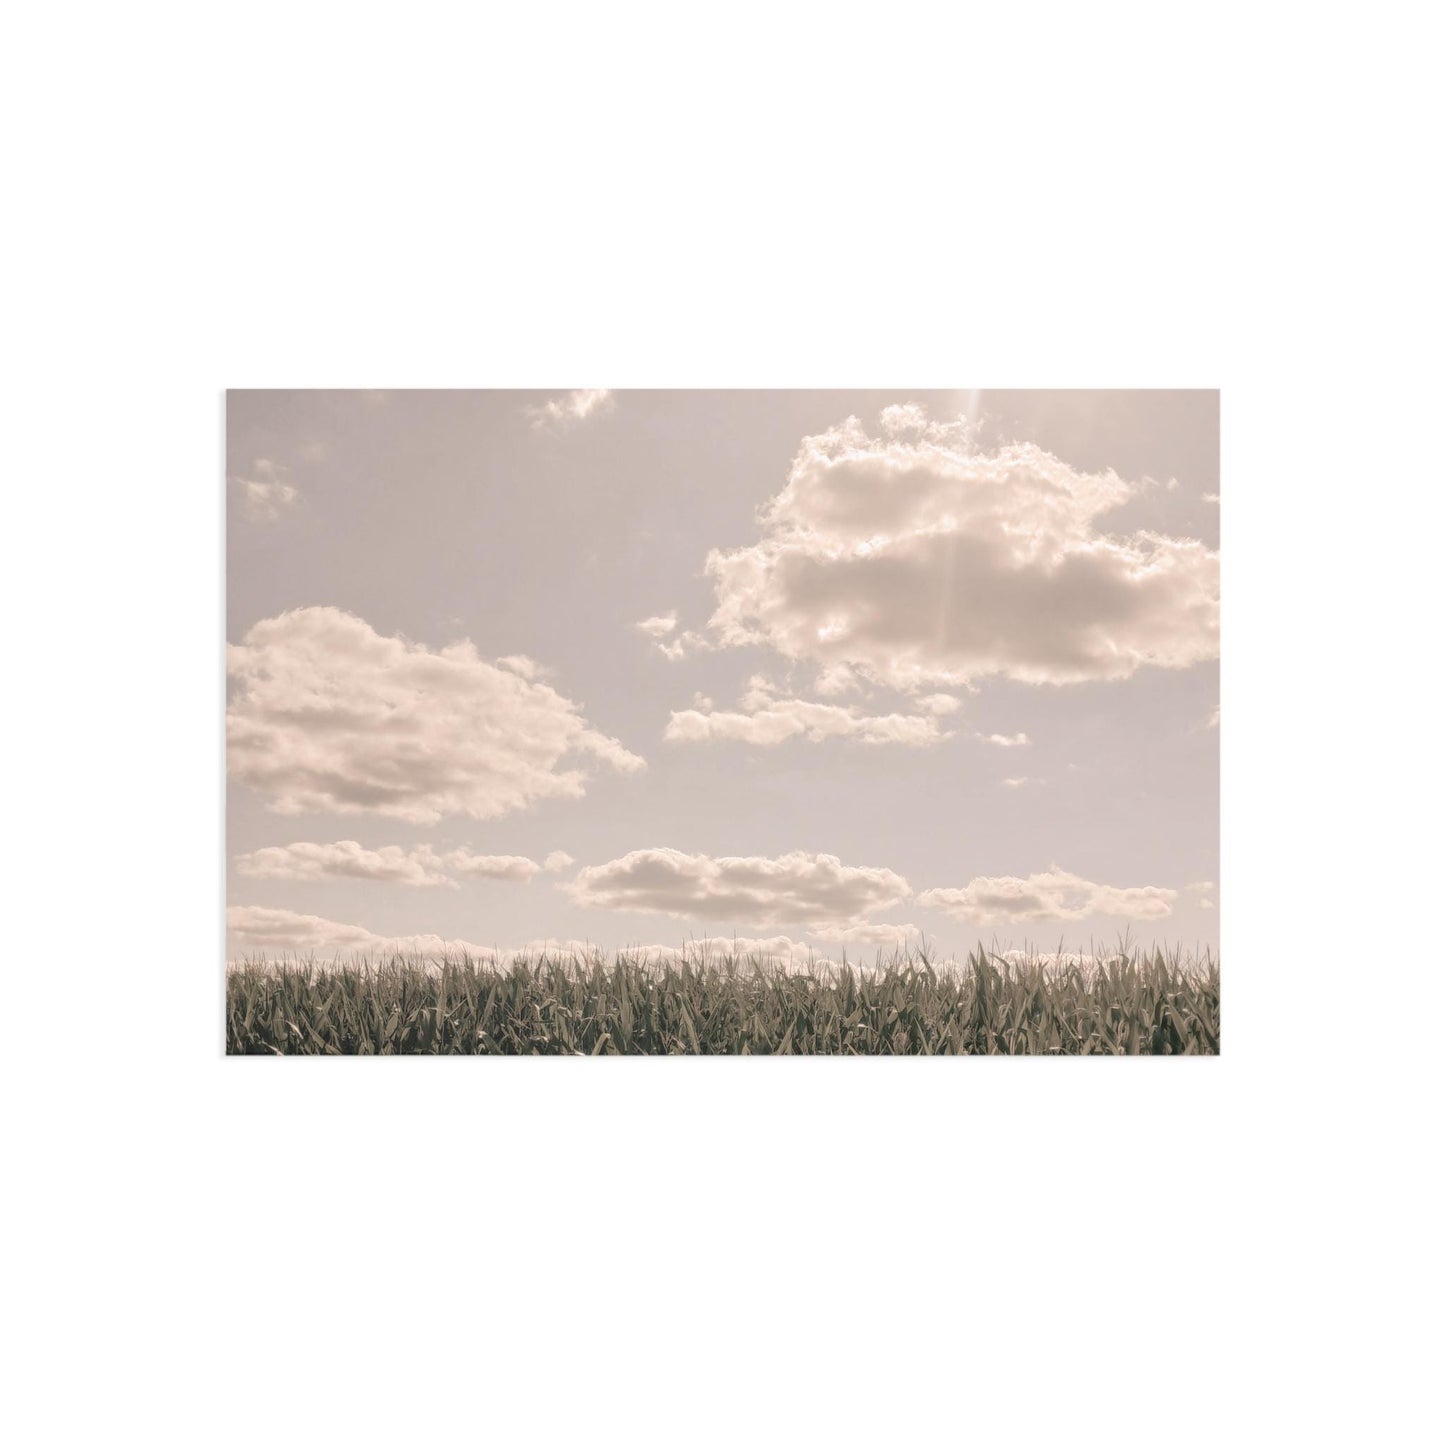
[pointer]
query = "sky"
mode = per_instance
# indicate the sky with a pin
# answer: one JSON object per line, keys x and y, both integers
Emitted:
{"x": 819, "y": 671}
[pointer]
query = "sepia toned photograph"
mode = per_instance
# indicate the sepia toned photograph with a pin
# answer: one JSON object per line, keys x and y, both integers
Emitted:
{"x": 735, "y": 722}
{"x": 582, "y": 577}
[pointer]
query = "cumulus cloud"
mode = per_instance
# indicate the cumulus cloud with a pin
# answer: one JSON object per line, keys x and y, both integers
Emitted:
{"x": 1053, "y": 895}
{"x": 1205, "y": 895}
{"x": 916, "y": 559}
{"x": 418, "y": 868}
{"x": 1020, "y": 782}
{"x": 558, "y": 861}
{"x": 571, "y": 408}
{"x": 264, "y": 492}
{"x": 806, "y": 888}
{"x": 1006, "y": 740}
{"x": 273, "y": 931}
{"x": 328, "y": 715}
{"x": 657, "y": 626}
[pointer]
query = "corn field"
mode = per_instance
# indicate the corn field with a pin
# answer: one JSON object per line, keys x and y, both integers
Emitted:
{"x": 1123, "y": 1004}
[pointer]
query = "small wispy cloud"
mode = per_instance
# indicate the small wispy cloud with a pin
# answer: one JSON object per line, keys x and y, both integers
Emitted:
{"x": 418, "y": 867}
{"x": 658, "y": 626}
{"x": 684, "y": 645}
{"x": 1005, "y": 740}
{"x": 573, "y": 407}
{"x": 524, "y": 666}
{"x": 767, "y": 719}
{"x": 1205, "y": 895}
{"x": 264, "y": 492}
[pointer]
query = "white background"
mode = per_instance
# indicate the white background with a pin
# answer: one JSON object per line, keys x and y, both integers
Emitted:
{"x": 627, "y": 195}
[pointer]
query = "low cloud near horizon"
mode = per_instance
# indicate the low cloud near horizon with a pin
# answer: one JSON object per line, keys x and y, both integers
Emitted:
{"x": 806, "y": 888}
{"x": 1052, "y": 896}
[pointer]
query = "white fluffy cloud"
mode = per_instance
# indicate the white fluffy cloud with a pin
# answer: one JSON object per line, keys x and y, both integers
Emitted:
{"x": 570, "y": 408}
{"x": 265, "y": 493}
{"x": 1053, "y": 895}
{"x": 328, "y": 715}
{"x": 278, "y": 931}
{"x": 767, "y": 720}
{"x": 915, "y": 559}
{"x": 1006, "y": 740}
{"x": 806, "y": 888}
{"x": 558, "y": 861}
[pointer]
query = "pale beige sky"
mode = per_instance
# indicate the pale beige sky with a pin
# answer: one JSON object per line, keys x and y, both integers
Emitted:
{"x": 831, "y": 669}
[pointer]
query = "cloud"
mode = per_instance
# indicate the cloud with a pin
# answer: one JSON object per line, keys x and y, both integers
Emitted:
{"x": 1206, "y": 895}
{"x": 837, "y": 678}
{"x": 1211, "y": 497}
{"x": 524, "y": 666}
{"x": 767, "y": 720}
{"x": 328, "y": 715}
{"x": 916, "y": 559}
{"x": 558, "y": 861}
{"x": 657, "y": 626}
{"x": 1006, "y": 740}
{"x": 1053, "y": 895}
{"x": 275, "y": 931}
{"x": 807, "y": 888}
{"x": 505, "y": 866}
{"x": 264, "y": 493}
{"x": 1020, "y": 782}
{"x": 278, "y": 932}
{"x": 868, "y": 935}
{"x": 940, "y": 704}
{"x": 684, "y": 645}
{"x": 792, "y": 717}
{"x": 419, "y": 868}
{"x": 780, "y": 951}
{"x": 573, "y": 407}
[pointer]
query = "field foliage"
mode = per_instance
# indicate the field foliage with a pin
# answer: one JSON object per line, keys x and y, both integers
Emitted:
{"x": 1128, "y": 1002}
